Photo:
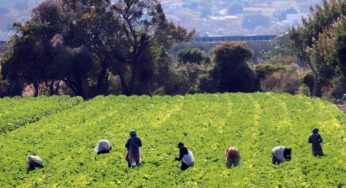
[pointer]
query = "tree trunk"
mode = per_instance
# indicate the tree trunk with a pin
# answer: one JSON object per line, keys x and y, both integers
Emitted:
{"x": 315, "y": 88}
{"x": 51, "y": 88}
{"x": 101, "y": 81}
{"x": 71, "y": 85}
{"x": 132, "y": 85}
{"x": 79, "y": 87}
{"x": 56, "y": 91}
{"x": 124, "y": 87}
{"x": 36, "y": 86}
{"x": 133, "y": 79}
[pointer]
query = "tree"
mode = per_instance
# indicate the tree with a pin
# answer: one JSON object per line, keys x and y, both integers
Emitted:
{"x": 98, "y": 28}
{"x": 196, "y": 56}
{"x": 231, "y": 72}
{"x": 82, "y": 42}
{"x": 303, "y": 37}
{"x": 38, "y": 54}
{"x": 330, "y": 51}
{"x": 126, "y": 36}
{"x": 26, "y": 60}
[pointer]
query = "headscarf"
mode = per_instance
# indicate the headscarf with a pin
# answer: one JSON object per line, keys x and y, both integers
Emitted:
{"x": 315, "y": 130}
{"x": 180, "y": 145}
{"x": 133, "y": 133}
{"x": 103, "y": 145}
{"x": 36, "y": 159}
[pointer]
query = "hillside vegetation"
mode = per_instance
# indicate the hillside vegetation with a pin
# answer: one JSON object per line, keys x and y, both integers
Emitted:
{"x": 206, "y": 123}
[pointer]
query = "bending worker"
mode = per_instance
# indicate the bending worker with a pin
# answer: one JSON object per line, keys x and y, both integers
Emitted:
{"x": 185, "y": 156}
{"x": 34, "y": 162}
{"x": 103, "y": 147}
{"x": 232, "y": 157}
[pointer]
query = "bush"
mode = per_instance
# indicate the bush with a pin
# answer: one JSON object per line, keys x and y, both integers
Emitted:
{"x": 8, "y": 88}
{"x": 264, "y": 70}
{"x": 185, "y": 79}
{"x": 231, "y": 73}
{"x": 339, "y": 88}
{"x": 196, "y": 56}
{"x": 304, "y": 90}
{"x": 278, "y": 79}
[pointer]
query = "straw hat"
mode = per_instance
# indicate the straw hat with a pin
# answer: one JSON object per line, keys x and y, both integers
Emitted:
{"x": 36, "y": 159}
{"x": 102, "y": 146}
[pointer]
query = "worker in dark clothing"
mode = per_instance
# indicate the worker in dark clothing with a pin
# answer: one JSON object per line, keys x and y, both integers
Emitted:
{"x": 133, "y": 145}
{"x": 315, "y": 139}
{"x": 185, "y": 156}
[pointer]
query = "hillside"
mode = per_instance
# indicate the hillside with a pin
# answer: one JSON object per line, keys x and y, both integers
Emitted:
{"x": 206, "y": 123}
{"x": 208, "y": 17}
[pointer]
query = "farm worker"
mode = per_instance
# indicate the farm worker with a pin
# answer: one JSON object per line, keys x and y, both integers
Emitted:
{"x": 232, "y": 157}
{"x": 34, "y": 161}
{"x": 103, "y": 147}
{"x": 315, "y": 139}
{"x": 133, "y": 145}
{"x": 185, "y": 156}
{"x": 281, "y": 154}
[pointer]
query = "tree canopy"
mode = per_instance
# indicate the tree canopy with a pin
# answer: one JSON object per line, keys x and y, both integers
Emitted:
{"x": 82, "y": 42}
{"x": 189, "y": 55}
{"x": 311, "y": 37}
{"x": 231, "y": 72}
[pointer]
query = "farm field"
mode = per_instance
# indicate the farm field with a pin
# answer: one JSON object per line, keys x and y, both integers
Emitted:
{"x": 206, "y": 123}
{"x": 16, "y": 111}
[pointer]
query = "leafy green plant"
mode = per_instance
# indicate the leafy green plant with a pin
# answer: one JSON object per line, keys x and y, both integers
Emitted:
{"x": 206, "y": 123}
{"x": 16, "y": 112}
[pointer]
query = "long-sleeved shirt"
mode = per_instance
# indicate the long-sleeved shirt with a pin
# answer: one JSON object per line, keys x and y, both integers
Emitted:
{"x": 278, "y": 152}
{"x": 134, "y": 140}
{"x": 316, "y": 140}
{"x": 182, "y": 151}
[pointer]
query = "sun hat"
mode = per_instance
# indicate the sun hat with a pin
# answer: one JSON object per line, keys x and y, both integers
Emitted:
{"x": 102, "y": 146}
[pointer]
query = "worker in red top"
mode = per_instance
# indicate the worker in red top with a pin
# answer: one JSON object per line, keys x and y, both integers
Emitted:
{"x": 232, "y": 157}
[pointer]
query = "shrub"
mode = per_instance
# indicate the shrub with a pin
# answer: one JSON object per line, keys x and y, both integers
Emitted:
{"x": 189, "y": 55}
{"x": 231, "y": 73}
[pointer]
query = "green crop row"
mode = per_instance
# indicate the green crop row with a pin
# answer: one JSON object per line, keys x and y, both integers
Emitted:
{"x": 16, "y": 112}
{"x": 206, "y": 123}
